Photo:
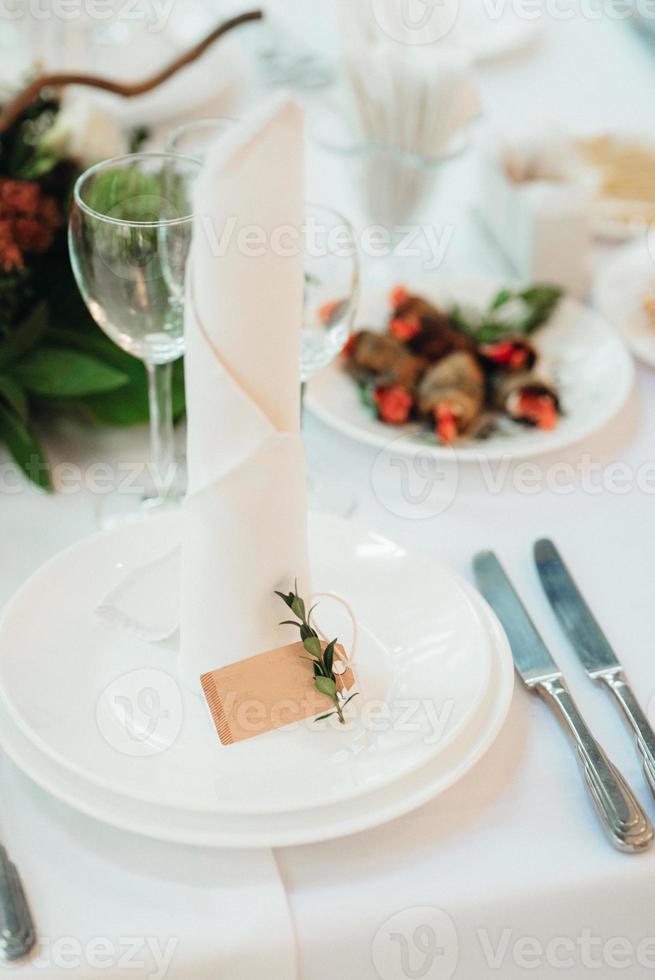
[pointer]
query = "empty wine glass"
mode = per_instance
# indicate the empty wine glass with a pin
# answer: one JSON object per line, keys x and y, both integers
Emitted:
{"x": 331, "y": 299}
{"x": 129, "y": 237}
{"x": 331, "y": 291}
{"x": 331, "y": 288}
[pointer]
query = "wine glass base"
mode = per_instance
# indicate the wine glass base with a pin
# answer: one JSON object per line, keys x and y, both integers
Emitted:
{"x": 116, "y": 509}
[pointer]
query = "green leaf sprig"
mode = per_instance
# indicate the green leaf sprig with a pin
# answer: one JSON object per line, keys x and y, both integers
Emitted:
{"x": 322, "y": 660}
{"x": 510, "y": 312}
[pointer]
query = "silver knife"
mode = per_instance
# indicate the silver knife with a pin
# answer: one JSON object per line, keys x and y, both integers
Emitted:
{"x": 592, "y": 647}
{"x": 621, "y": 815}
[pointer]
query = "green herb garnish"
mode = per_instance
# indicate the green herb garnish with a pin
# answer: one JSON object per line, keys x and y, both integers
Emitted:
{"x": 322, "y": 660}
{"x": 509, "y": 313}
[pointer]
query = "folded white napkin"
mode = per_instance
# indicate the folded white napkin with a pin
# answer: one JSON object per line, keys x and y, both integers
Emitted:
{"x": 245, "y": 513}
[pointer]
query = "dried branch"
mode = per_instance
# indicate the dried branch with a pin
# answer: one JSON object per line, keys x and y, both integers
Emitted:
{"x": 13, "y": 109}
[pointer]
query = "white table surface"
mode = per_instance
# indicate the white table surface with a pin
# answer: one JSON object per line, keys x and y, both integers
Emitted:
{"x": 512, "y": 857}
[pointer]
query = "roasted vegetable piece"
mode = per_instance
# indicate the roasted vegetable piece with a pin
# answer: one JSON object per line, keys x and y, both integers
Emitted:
{"x": 452, "y": 393}
{"x": 528, "y": 399}
{"x": 511, "y": 354}
{"x": 424, "y": 328}
{"x": 385, "y": 357}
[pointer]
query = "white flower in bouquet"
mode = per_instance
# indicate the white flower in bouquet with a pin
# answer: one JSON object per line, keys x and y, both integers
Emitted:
{"x": 85, "y": 132}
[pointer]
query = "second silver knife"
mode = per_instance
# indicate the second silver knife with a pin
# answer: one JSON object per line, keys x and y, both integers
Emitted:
{"x": 621, "y": 815}
{"x": 592, "y": 646}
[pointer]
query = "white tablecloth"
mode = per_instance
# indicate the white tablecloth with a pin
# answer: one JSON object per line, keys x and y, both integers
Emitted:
{"x": 508, "y": 872}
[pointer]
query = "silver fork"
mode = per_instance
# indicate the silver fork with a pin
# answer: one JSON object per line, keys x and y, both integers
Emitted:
{"x": 17, "y": 933}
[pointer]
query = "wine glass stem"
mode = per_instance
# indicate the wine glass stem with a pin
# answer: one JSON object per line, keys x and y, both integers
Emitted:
{"x": 303, "y": 389}
{"x": 162, "y": 445}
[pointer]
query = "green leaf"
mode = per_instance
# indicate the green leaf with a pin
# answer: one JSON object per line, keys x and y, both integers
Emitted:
{"x": 501, "y": 298}
{"x": 26, "y": 335}
{"x": 508, "y": 313}
{"x": 298, "y": 607}
{"x": 326, "y": 686}
{"x": 348, "y": 700}
{"x": 312, "y": 645}
{"x": 289, "y": 622}
{"x": 328, "y": 656}
{"x": 127, "y": 405}
{"x": 542, "y": 300}
{"x": 366, "y": 396}
{"x": 55, "y": 373}
{"x": 306, "y": 631}
{"x": 137, "y": 137}
{"x": 24, "y": 449}
{"x": 124, "y": 407}
{"x": 12, "y": 393}
{"x": 39, "y": 167}
{"x": 310, "y": 613}
{"x": 323, "y": 717}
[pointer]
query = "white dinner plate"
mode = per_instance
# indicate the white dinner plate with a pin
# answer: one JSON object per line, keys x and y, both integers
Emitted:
{"x": 579, "y": 350}
{"x": 284, "y": 829}
{"x": 107, "y": 706}
{"x": 619, "y": 290}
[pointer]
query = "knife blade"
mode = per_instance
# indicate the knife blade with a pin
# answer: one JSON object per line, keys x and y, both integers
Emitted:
{"x": 573, "y": 613}
{"x": 592, "y": 647}
{"x": 621, "y": 816}
{"x": 532, "y": 658}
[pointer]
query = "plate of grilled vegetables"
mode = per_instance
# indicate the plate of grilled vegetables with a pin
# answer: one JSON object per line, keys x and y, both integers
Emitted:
{"x": 473, "y": 366}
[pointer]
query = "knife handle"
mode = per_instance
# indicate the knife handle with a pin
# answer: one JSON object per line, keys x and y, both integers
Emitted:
{"x": 622, "y": 817}
{"x": 617, "y": 683}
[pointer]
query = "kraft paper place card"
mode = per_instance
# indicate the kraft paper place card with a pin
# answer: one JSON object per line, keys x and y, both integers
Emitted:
{"x": 268, "y": 691}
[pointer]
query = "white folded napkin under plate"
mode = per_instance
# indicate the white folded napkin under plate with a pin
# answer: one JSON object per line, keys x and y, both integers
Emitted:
{"x": 110, "y": 905}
